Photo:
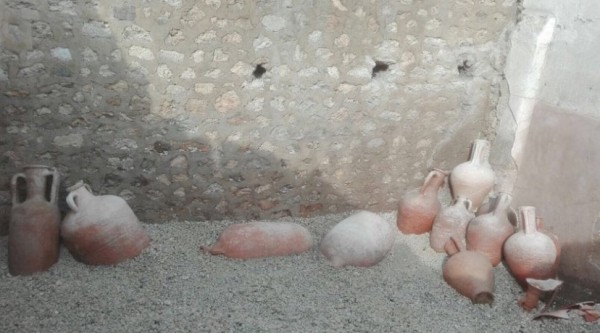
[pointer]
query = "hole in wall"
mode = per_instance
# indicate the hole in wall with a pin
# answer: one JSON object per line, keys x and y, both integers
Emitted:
{"x": 380, "y": 66}
{"x": 259, "y": 70}
{"x": 465, "y": 69}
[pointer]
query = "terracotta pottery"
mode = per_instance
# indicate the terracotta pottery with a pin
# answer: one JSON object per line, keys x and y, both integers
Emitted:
{"x": 529, "y": 253}
{"x": 261, "y": 239}
{"x": 539, "y": 222}
{"x": 33, "y": 240}
{"x": 101, "y": 230}
{"x": 469, "y": 272}
{"x": 418, "y": 208}
{"x": 487, "y": 233}
{"x": 474, "y": 178}
{"x": 451, "y": 222}
{"x": 362, "y": 240}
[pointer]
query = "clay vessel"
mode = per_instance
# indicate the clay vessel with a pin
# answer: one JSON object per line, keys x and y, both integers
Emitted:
{"x": 539, "y": 223}
{"x": 474, "y": 178}
{"x": 529, "y": 253}
{"x": 101, "y": 230}
{"x": 418, "y": 208}
{"x": 261, "y": 239}
{"x": 469, "y": 272}
{"x": 451, "y": 222}
{"x": 33, "y": 240}
{"x": 362, "y": 239}
{"x": 487, "y": 233}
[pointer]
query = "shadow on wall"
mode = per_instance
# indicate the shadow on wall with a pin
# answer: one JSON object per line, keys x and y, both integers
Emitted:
{"x": 75, "y": 97}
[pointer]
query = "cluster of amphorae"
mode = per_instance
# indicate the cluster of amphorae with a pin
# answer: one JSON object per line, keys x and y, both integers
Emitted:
{"x": 478, "y": 236}
{"x": 98, "y": 230}
{"x": 103, "y": 230}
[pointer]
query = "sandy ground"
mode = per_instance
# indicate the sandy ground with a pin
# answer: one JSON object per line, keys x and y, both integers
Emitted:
{"x": 174, "y": 287}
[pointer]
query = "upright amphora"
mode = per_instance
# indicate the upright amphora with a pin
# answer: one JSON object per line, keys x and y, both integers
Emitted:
{"x": 34, "y": 236}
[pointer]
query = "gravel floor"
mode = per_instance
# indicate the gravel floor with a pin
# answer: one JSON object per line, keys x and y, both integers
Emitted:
{"x": 174, "y": 287}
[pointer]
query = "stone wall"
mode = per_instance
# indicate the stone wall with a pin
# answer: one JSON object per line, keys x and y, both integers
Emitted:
{"x": 248, "y": 109}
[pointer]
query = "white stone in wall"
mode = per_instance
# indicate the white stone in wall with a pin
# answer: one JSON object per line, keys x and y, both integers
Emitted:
{"x": 65, "y": 109}
{"x": 135, "y": 33}
{"x": 42, "y": 111}
{"x": 175, "y": 37}
{"x": 390, "y": 115}
{"x": 315, "y": 37}
{"x": 220, "y": 56}
{"x": 163, "y": 179}
{"x": 31, "y": 71}
{"x": 164, "y": 72}
{"x": 172, "y": 56}
{"x": 267, "y": 146}
{"x": 105, "y": 71}
{"x": 432, "y": 24}
{"x": 188, "y": 74}
{"x": 70, "y": 140}
{"x": 173, "y": 3}
{"x": 219, "y": 23}
{"x": 360, "y": 75}
{"x": 261, "y": 42}
{"x": 65, "y": 7}
{"x": 96, "y": 29}
{"x": 263, "y": 121}
{"x": 213, "y": 3}
{"x": 206, "y": 37}
{"x": 308, "y": 72}
{"x": 124, "y": 144}
{"x": 333, "y": 72}
{"x": 89, "y": 55}
{"x": 234, "y": 38}
{"x": 180, "y": 192}
{"x": 85, "y": 72}
{"x": 392, "y": 27}
{"x": 342, "y": 41}
{"x": 347, "y": 58}
{"x": 198, "y": 56}
{"x": 120, "y": 87}
{"x": 256, "y": 105}
{"x": 281, "y": 71}
{"x": 79, "y": 97}
{"x": 227, "y": 102}
{"x": 141, "y": 53}
{"x": 323, "y": 53}
{"x": 193, "y": 16}
{"x": 242, "y": 69}
{"x": 213, "y": 74}
{"x": 3, "y": 75}
{"x": 273, "y": 23}
{"x": 204, "y": 88}
{"x": 345, "y": 88}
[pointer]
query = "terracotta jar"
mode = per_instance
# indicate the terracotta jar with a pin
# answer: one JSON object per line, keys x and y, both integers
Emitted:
{"x": 33, "y": 240}
{"x": 469, "y": 272}
{"x": 101, "y": 230}
{"x": 528, "y": 252}
{"x": 487, "y": 233}
{"x": 418, "y": 208}
{"x": 474, "y": 178}
{"x": 539, "y": 222}
{"x": 451, "y": 222}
